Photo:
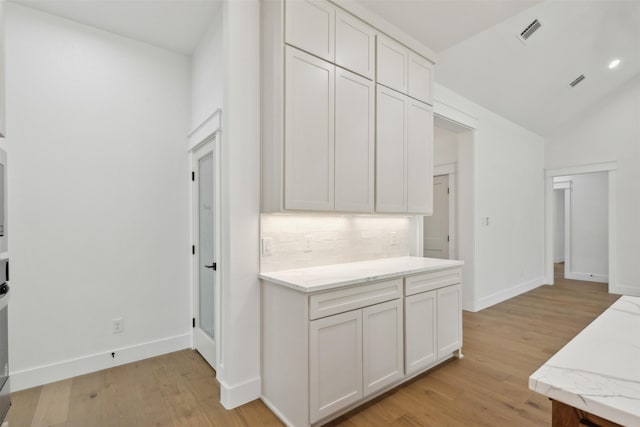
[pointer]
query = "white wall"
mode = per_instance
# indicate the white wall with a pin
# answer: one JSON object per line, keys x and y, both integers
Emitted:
{"x": 445, "y": 146}
{"x": 207, "y": 73}
{"x": 335, "y": 239}
{"x": 589, "y": 227}
{"x": 558, "y": 226}
{"x": 98, "y": 197}
{"x": 606, "y": 132}
{"x": 508, "y": 175}
{"x": 239, "y": 370}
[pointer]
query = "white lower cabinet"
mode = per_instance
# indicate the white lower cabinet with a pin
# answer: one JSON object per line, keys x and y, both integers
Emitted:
{"x": 449, "y": 320}
{"x": 325, "y": 352}
{"x": 335, "y": 363}
{"x": 420, "y": 331}
{"x": 382, "y": 345}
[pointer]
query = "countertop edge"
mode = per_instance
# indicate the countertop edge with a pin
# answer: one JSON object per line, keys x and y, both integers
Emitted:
{"x": 358, "y": 280}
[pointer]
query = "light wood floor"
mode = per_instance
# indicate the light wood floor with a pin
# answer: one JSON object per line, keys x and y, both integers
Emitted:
{"x": 503, "y": 345}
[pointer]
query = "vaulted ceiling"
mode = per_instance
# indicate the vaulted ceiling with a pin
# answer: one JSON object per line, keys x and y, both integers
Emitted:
{"x": 479, "y": 53}
{"x": 481, "y": 57}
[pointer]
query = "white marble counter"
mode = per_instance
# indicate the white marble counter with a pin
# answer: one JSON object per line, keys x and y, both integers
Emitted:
{"x": 599, "y": 370}
{"x": 339, "y": 275}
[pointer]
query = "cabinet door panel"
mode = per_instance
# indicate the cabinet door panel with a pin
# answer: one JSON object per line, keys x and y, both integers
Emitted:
{"x": 310, "y": 26}
{"x": 382, "y": 347}
{"x": 3, "y": 131}
{"x": 309, "y": 132}
{"x": 391, "y": 191}
{"x": 335, "y": 363}
{"x": 392, "y": 61}
{"x": 355, "y": 45}
{"x": 354, "y": 143}
{"x": 420, "y": 158}
{"x": 449, "y": 320}
{"x": 420, "y": 78}
{"x": 420, "y": 331}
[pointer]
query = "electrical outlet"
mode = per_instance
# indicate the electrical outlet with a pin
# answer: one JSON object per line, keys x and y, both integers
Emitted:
{"x": 394, "y": 238}
{"x": 118, "y": 325}
{"x": 267, "y": 246}
{"x": 307, "y": 243}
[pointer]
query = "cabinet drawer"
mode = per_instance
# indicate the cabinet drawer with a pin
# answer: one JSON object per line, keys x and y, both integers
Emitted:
{"x": 429, "y": 281}
{"x": 334, "y": 302}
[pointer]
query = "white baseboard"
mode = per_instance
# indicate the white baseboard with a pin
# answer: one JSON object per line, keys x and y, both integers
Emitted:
{"x": 587, "y": 277}
{"x": 239, "y": 394}
{"x": 633, "y": 291}
{"x": 506, "y": 294}
{"x": 46, "y": 374}
{"x": 275, "y": 410}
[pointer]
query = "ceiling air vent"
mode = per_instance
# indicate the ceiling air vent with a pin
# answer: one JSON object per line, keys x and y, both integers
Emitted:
{"x": 577, "y": 80}
{"x": 528, "y": 32}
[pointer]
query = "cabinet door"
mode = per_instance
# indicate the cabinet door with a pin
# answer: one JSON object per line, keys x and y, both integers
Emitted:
{"x": 382, "y": 345}
{"x": 392, "y": 60}
{"x": 355, "y": 45}
{"x": 419, "y": 157}
{"x": 449, "y": 320}
{"x": 335, "y": 363}
{"x": 310, "y": 26}
{"x": 420, "y": 331}
{"x": 420, "y": 78}
{"x": 309, "y": 132}
{"x": 391, "y": 160}
{"x": 354, "y": 142}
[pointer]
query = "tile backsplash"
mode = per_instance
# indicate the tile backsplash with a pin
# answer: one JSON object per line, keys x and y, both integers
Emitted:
{"x": 304, "y": 240}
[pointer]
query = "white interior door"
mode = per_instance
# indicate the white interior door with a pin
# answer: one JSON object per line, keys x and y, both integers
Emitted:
{"x": 436, "y": 227}
{"x": 205, "y": 268}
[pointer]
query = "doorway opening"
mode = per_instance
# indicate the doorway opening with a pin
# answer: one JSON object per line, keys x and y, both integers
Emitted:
{"x": 587, "y": 221}
{"x": 581, "y": 231}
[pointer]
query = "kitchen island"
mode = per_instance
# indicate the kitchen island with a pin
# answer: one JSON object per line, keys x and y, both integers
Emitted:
{"x": 336, "y": 336}
{"x": 595, "y": 379}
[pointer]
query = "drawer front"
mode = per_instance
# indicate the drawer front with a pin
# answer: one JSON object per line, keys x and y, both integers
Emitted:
{"x": 334, "y": 302}
{"x": 430, "y": 281}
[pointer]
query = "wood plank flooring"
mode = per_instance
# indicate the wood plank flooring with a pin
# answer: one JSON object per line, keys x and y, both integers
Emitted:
{"x": 503, "y": 345}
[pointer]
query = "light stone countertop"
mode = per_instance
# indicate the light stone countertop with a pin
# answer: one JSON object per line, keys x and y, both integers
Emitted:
{"x": 341, "y": 275}
{"x": 599, "y": 370}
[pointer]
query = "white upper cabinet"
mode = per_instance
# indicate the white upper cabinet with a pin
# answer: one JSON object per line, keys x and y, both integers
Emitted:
{"x": 310, "y": 26}
{"x": 420, "y": 157}
{"x": 404, "y": 147}
{"x": 354, "y": 142}
{"x": 420, "y": 78}
{"x": 355, "y": 45}
{"x": 392, "y": 63}
{"x": 403, "y": 70}
{"x": 309, "y": 132}
{"x": 391, "y": 152}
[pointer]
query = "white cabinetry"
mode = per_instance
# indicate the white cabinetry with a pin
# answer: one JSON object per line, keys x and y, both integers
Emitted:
{"x": 449, "y": 320}
{"x": 420, "y": 331}
{"x": 403, "y": 70}
{"x": 354, "y": 142}
{"x": 310, "y": 26}
{"x": 382, "y": 345}
{"x": 355, "y": 45}
{"x": 319, "y": 63}
{"x": 309, "y": 132}
{"x": 326, "y": 352}
{"x": 404, "y": 154}
{"x": 335, "y": 363}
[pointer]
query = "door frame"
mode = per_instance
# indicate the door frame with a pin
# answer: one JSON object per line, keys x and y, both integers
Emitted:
{"x": 208, "y": 133}
{"x": 610, "y": 168}
{"x": 450, "y": 170}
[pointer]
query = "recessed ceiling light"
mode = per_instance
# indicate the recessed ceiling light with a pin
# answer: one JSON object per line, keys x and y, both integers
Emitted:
{"x": 613, "y": 64}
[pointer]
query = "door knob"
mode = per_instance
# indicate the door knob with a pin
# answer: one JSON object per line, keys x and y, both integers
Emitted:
{"x": 213, "y": 266}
